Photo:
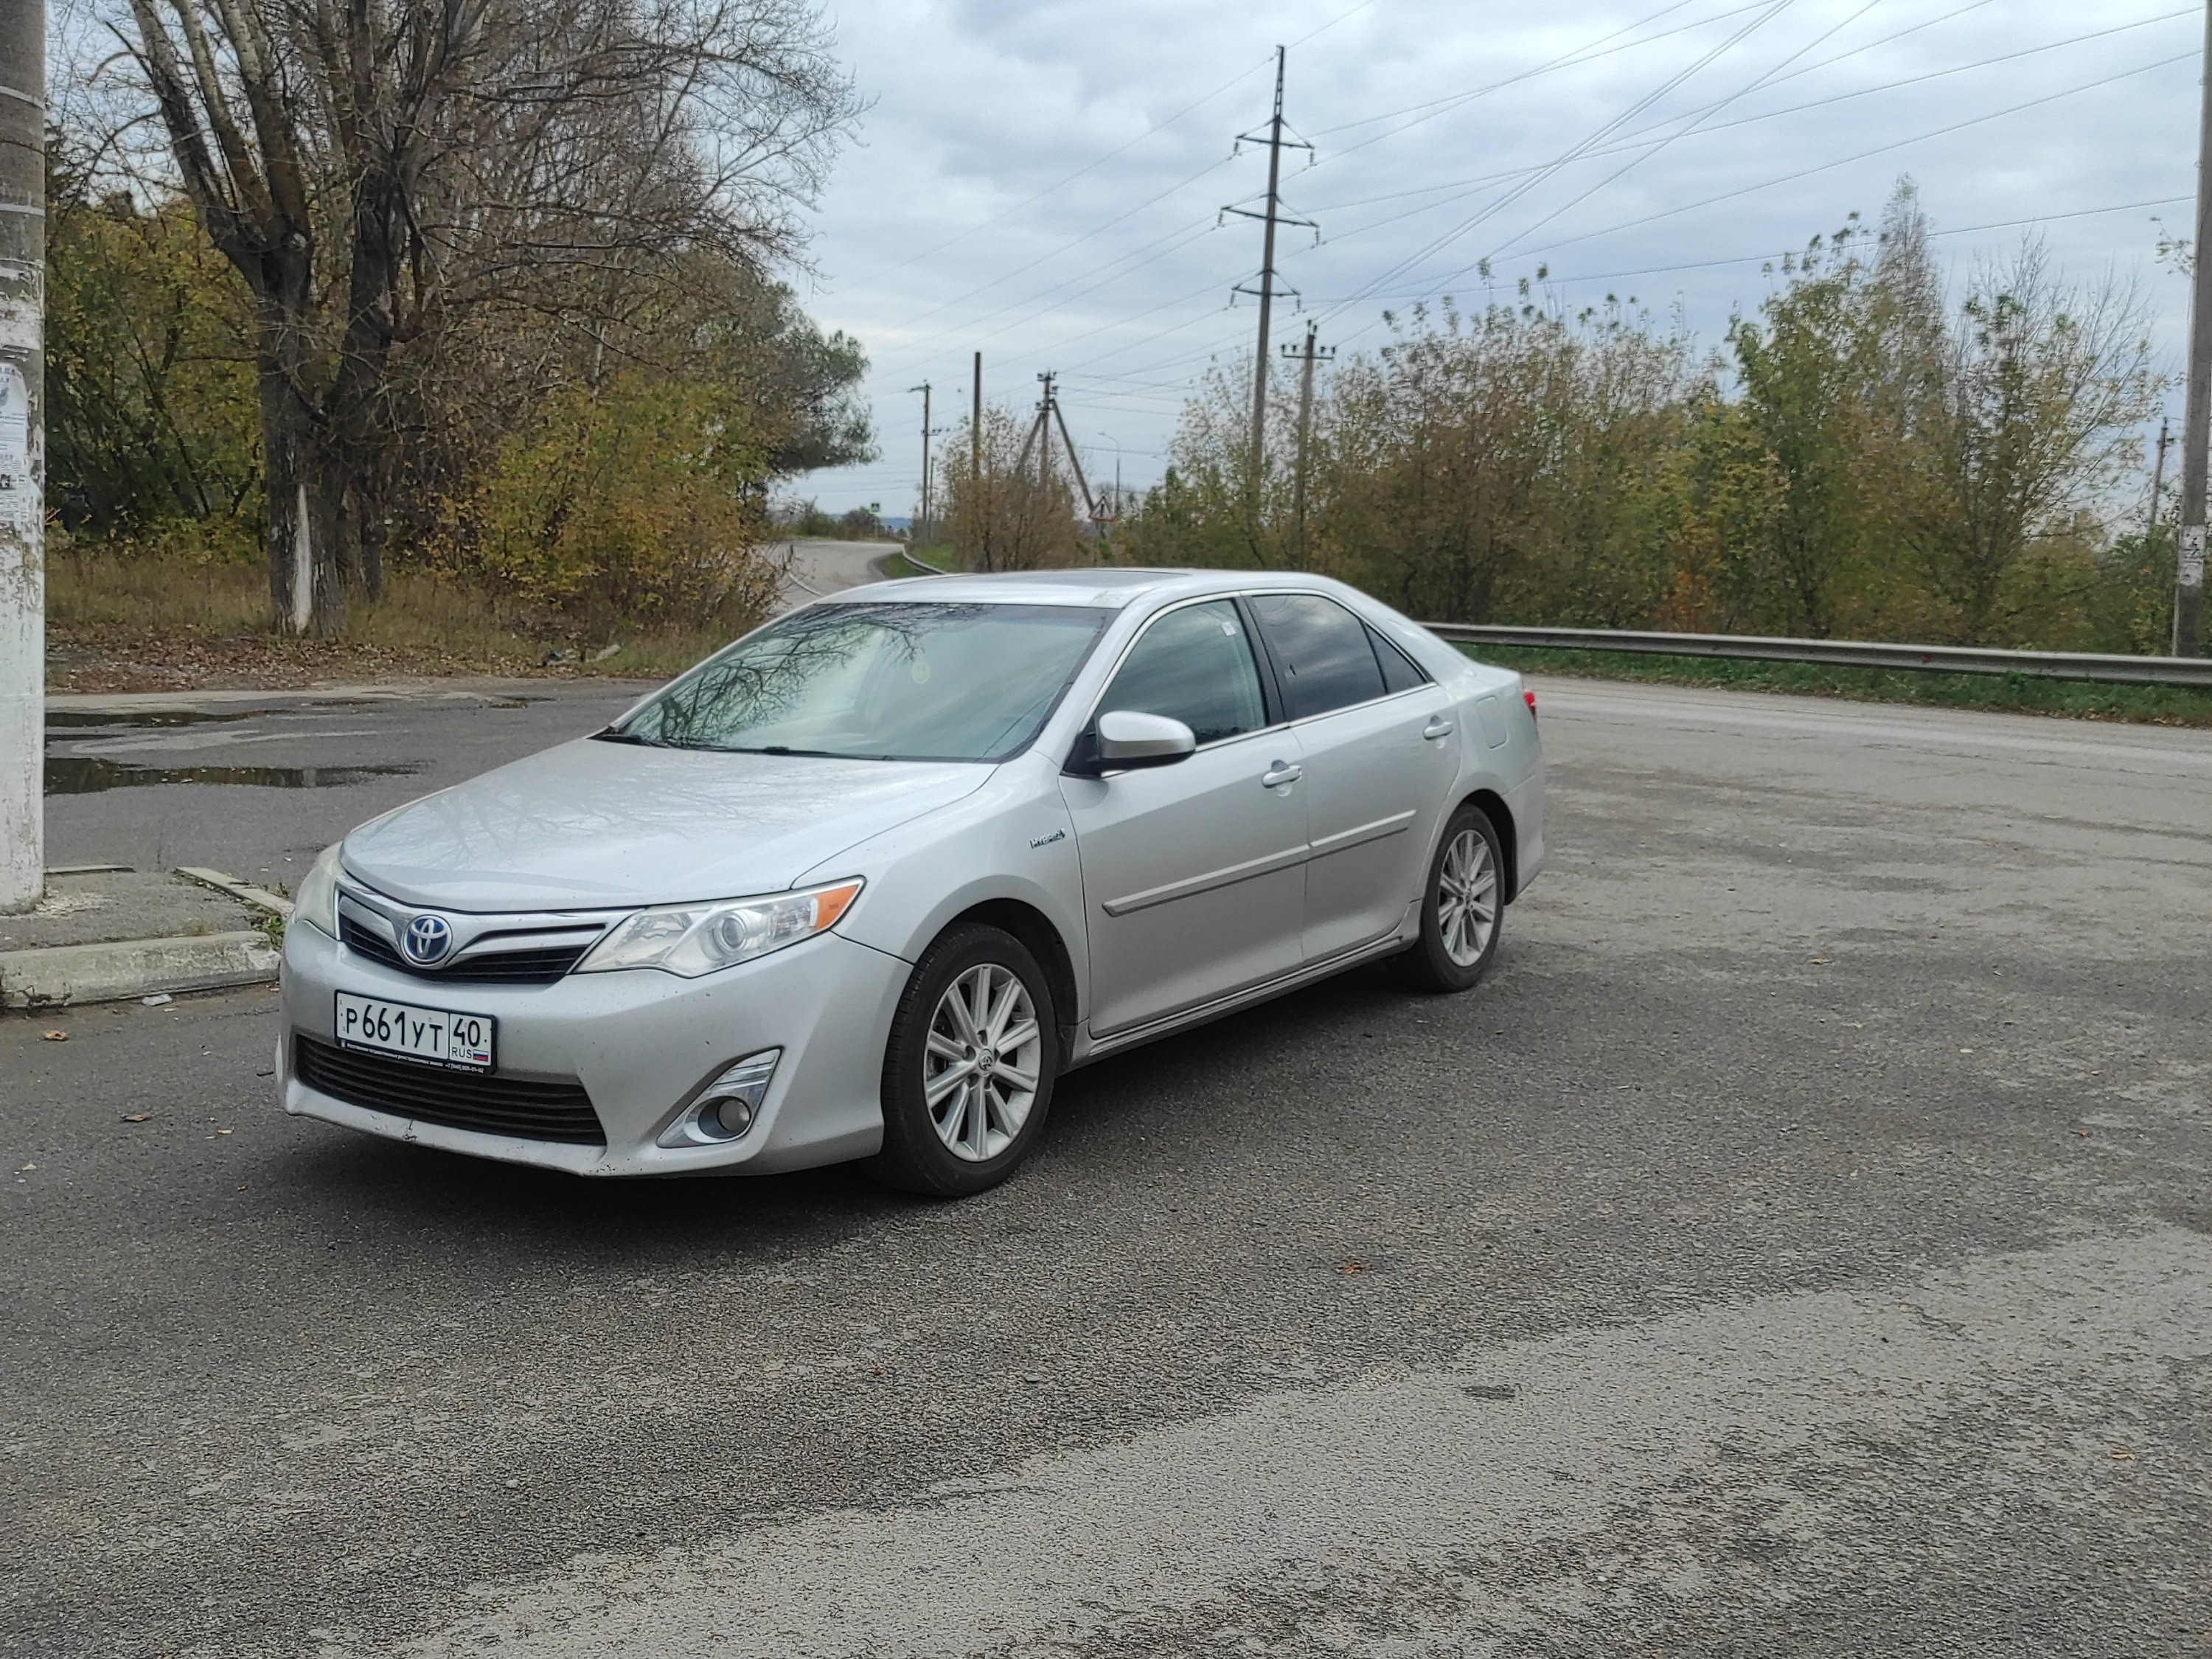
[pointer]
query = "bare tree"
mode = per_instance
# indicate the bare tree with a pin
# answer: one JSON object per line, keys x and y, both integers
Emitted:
{"x": 384, "y": 173}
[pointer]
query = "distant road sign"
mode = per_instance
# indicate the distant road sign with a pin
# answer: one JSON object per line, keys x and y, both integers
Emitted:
{"x": 875, "y": 507}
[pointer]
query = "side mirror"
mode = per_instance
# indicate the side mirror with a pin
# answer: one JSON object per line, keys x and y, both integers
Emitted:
{"x": 1127, "y": 739}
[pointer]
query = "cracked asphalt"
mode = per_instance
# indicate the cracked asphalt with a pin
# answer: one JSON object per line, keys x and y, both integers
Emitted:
{"x": 1801, "y": 1243}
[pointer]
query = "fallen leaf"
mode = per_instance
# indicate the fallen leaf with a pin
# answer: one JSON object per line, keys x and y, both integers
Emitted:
{"x": 2122, "y": 1455}
{"x": 137, "y": 1117}
{"x": 27, "y": 1169}
{"x": 55, "y": 1036}
{"x": 1353, "y": 1268}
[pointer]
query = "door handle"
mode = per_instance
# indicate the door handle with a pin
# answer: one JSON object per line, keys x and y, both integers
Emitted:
{"x": 1280, "y": 772}
{"x": 1439, "y": 725}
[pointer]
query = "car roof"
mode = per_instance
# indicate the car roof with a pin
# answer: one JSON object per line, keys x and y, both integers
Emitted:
{"x": 1108, "y": 586}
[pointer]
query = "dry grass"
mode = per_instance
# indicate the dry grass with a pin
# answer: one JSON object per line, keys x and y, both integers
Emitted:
{"x": 121, "y": 621}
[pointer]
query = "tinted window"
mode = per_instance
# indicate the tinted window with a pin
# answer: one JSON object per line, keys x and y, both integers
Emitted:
{"x": 1399, "y": 673}
{"x": 1195, "y": 666}
{"x": 879, "y": 682}
{"x": 1323, "y": 650}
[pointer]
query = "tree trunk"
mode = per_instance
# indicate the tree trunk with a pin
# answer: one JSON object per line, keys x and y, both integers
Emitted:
{"x": 304, "y": 591}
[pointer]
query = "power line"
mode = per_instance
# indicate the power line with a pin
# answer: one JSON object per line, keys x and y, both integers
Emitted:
{"x": 1569, "y": 59}
{"x": 1638, "y": 139}
{"x": 1878, "y": 150}
{"x": 1575, "y": 151}
{"x": 1575, "y": 58}
{"x": 1696, "y": 121}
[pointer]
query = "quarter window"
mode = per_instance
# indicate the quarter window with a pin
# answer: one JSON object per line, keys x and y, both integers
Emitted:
{"x": 1195, "y": 666}
{"x": 1399, "y": 673}
{"x": 1321, "y": 650}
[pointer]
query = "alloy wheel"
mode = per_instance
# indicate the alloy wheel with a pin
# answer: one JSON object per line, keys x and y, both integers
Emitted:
{"x": 980, "y": 1073}
{"x": 1467, "y": 897}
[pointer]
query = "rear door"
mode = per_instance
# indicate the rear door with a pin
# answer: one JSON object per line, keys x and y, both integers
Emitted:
{"x": 1379, "y": 757}
{"x": 1192, "y": 873}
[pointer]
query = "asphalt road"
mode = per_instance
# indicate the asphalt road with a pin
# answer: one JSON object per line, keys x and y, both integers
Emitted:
{"x": 820, "y": 568}
{"x": 1799, "y": 1244}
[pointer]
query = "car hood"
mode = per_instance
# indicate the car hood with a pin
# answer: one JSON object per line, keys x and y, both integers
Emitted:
{"x": 598, "y": 825}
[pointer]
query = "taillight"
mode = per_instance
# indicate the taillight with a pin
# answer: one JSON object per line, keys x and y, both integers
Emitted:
{"x": 1529, "y": 697}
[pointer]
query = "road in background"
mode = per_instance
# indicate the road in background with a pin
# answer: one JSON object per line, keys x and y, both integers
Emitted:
{"x": 1798, "y": 1245}
{"x": 820, "y": 568}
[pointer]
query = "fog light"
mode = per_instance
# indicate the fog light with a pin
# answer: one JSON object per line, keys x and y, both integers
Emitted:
{"x": 731, "y": 1118}
{"x": 725, "y": 1108}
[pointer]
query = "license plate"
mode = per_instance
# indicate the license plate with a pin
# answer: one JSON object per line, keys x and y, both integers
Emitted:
{"x": 432, "y": 1034}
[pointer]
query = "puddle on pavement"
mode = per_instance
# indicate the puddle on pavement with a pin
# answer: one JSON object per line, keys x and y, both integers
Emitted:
{"x": 80, "y": 717}
{"x": 85, "y": 775}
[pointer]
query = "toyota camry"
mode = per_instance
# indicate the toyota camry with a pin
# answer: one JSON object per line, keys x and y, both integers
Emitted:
{"x": 865, "y": 883}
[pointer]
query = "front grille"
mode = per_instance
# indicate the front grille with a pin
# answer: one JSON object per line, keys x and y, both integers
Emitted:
{"x": 458, "y": 1100}
{"x": 541, "y": 966}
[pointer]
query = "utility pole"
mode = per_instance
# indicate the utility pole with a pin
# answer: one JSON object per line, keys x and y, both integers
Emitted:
{"x": 979, "y": 510}
{"x": 1271, "y": 216}
{"x": 2150, "y": 528}
{"x": 1044, "y": 431}
{"x": 23, "y": 452}
{"x": 2196, "y": 417}
{"x": 1307, "y": 358}
{"x": 921, "y": 539}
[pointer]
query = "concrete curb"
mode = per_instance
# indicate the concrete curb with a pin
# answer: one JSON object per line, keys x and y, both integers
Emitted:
{"x": 62, "y": 973}
{"x": 231, "y": 886}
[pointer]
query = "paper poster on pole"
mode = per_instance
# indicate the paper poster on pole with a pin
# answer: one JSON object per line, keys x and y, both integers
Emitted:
{"x": 19, "y": 497}
{"x": 2193, "y": 556}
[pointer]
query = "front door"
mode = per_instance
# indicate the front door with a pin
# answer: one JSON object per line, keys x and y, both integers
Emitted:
{"x": 1193, "y": 873}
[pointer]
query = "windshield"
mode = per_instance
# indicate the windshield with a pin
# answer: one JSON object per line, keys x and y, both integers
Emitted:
{"x": 879, "y": 682}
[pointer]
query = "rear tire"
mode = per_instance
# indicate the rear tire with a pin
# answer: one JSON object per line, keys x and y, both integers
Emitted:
{"x": 1462, "y": 909}
{"x": 968, "y": 1071}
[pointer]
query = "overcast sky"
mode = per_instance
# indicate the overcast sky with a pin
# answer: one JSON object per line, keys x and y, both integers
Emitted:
{"x": 1042, "y": 181}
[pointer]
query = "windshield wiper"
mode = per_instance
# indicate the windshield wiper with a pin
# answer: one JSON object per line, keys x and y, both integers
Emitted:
{"x": 615, "y": 734}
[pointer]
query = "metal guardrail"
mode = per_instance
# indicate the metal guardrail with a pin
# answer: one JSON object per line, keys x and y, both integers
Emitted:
{"x": 1850, "y": 653}
{"x": 1854, "y": 654}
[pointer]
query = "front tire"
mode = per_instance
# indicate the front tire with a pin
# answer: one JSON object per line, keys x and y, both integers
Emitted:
{"x": 1462, "y": 909}
{"x": 968, "y": 1071}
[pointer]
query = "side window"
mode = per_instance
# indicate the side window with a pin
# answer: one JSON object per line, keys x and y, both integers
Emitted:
{"x": 1323, "y": 650}
{"x": 1195, "y": 665}
{"x": 1399, "y": 673}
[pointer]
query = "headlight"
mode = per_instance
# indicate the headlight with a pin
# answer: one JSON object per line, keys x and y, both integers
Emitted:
{"x": 691, "y": 939}
{"x": 317, "y": 900}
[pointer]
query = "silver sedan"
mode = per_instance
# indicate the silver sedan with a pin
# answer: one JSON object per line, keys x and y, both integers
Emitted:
{"x": 865, "y": 883}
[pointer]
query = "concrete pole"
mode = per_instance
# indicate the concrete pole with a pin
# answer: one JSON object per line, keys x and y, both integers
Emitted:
{"x": 1267, "y": 287}
{"x": 2197, "y": 415}
{"x": 23, "y": 452}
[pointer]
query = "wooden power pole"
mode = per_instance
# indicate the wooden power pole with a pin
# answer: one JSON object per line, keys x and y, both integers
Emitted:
{"x": 23, "y": 452}
{"x": 2196, "y": 417}
{"x": 1307, "y": 357}
{"x": 921, "y": 533}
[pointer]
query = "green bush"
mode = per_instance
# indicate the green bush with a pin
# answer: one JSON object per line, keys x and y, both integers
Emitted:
{"x": 638, "y": 502}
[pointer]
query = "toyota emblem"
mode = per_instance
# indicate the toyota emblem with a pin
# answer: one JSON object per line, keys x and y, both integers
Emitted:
{"x": 427, "y": 940}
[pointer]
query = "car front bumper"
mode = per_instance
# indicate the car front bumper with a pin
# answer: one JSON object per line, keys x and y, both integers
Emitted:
{"x": 641, "y": 1044}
